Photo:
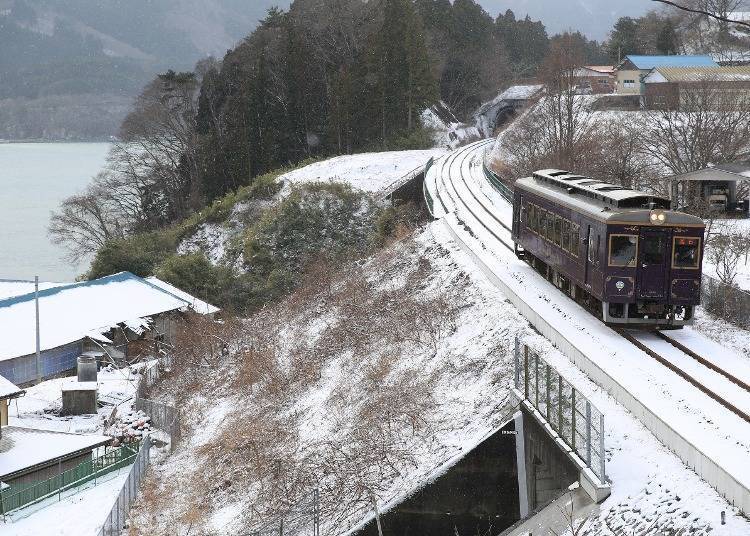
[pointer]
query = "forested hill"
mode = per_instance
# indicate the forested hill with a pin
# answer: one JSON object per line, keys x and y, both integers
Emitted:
{"x": 70, "y": 69}
{"x": 323, "y": 78}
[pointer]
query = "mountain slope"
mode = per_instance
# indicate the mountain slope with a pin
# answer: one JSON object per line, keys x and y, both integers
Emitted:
{"x": 108, "y": 49}
{"x": 594, "y": 18}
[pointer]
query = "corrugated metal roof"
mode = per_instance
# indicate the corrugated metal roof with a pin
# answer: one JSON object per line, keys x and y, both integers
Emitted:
{"x": 700, "y": 74}
{"x": 72, "y": 312}
{"x": 651, "y": 62}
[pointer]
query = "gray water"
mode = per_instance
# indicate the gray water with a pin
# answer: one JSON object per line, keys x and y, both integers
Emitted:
{"x": 34, "y": 179}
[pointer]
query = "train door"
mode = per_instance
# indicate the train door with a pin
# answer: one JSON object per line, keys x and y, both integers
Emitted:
{"x": 652, "y": 264}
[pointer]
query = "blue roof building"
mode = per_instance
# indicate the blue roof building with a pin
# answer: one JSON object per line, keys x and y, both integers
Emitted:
{"x": 644, "y": 63}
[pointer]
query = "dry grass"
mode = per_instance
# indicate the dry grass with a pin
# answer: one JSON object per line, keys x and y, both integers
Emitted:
{"x": 274, "y": 446}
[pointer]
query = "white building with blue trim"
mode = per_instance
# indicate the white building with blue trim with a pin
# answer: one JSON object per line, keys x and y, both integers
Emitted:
{"x": 108, "y": 316}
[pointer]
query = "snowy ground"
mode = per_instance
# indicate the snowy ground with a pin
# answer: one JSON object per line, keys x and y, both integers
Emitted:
{"x": 81, "y": 512}
{"x": 40, "y": 407}
{"x": 646, "y": 478}
{"x": 370, "y": 172}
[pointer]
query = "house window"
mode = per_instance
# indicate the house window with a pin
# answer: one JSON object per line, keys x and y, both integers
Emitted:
{"x": 628, "y": 83}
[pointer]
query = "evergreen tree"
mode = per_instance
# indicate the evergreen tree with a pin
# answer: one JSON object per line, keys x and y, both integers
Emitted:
{"x": 404, "y": 83}
{"x": 666, "y": 40}
{"x": 624, "y": 39}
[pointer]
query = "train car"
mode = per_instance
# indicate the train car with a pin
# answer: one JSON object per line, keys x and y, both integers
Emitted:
{"x": 622, "y": 253}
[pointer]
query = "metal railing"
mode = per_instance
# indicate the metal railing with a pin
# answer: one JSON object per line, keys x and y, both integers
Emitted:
{"x": 570, "y": 414}
{"x": 163, "y": 416}
{"x": 498, "y": 184}
{"x": 16, "y": 497}
{"x": 116, "y": 520}
{"x": 725, "y": 301}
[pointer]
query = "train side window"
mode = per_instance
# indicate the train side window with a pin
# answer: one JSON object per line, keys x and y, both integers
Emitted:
{"x": 686, "y": 253}
{"x": 550, "y": 226}
{"x": 532, "y": 217}
{"x": 542, "y": 222}
{"x": 558, "y": 230}
{"x": 575, "y": 239}
{"x": 592, "y": 253}
{"x": 623, "y": 250}
{"x": 566, "y": 235}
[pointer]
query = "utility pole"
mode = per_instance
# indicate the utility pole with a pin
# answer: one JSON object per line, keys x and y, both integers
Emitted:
{"x": 36, "y": 304}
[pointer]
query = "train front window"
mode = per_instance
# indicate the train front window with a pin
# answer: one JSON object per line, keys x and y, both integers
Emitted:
{"x": 686, "y": 253}
{"x": 653, "y": 250}
{"x": 623, "y": 250}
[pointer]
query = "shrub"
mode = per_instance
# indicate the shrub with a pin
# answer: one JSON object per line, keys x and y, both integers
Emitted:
{"x": 138, "y": 254}
{"x": 327, "y": 219}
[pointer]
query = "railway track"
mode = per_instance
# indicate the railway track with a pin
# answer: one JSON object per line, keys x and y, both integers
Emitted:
{"x": 711, "y": 379}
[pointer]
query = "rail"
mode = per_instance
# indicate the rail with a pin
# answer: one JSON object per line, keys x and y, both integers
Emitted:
{"x": 570, "y": 414}
{"x": 690, "y": 452}
{"x": 15, "y": 497}
{"x": 497, "y": 183}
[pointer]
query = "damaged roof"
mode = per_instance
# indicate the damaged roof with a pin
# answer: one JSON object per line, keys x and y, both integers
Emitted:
{"x": 69, "y": 313}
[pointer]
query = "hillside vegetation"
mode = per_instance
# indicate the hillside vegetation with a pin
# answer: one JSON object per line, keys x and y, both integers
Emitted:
{"x": 358, "y": 384}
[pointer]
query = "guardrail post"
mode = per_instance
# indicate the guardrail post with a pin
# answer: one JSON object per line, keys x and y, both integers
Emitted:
{"x": 602, "y": 460}
{"x": 516, "y": 376}
{"x": 573, "y": 417}
{"x": 547, "y": 386}
{"x": 526, "y": 372}
{"x": 560, "y": 406}
{"x": 588, "y": 433}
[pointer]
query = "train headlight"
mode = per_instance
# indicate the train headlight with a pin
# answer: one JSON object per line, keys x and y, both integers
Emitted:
{"x": 657, "y": 216}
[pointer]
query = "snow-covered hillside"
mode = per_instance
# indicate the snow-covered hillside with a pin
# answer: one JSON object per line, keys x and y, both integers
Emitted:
{"x": 336, "y": 381}
{"x": 369, "y": 172}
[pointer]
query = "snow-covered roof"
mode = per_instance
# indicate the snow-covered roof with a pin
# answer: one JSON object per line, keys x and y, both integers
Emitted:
{"x": 196, "y": 304}
{"x": 12, "y": 287}
{"x": 520, "y": 92}
{"x": 8, "y": 389}
{"x": 651, "y": 62}
{"x": 699, "y": 74}
{"x": 72, "y": 312}
{"x": 22, "y": 448}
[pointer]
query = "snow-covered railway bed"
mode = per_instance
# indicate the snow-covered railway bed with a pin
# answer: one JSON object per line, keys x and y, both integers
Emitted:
{"x": 715, "y": 382}
{"x": 707, "y": 436}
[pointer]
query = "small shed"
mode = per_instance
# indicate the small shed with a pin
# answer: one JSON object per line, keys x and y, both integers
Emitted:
{"x": 8, "y": 391}
{"x": 714, "y": 187}
{"x": 28, "y": 455}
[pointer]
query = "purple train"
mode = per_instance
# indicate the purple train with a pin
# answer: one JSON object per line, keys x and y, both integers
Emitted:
{"x": 622, "y": 253}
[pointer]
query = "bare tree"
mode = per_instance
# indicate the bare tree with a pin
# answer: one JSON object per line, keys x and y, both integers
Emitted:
{"x": 703, "y": 125}
{"x": 715, "y": 9}
{"x": 158, "y": 148}
{"x": 725, "y": 248}
{"x": 86, "y": 221}
{"x": 560, "y": 131}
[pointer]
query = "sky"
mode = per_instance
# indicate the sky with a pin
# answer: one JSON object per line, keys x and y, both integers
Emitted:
{"x": 594, "y": 18}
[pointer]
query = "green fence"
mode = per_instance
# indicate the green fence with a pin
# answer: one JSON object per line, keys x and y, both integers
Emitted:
{"x": 498, "y": 184}
{"x": 22, "y": 495}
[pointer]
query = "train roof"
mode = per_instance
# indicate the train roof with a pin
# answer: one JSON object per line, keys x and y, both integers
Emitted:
{"x": 602, "y": 200}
